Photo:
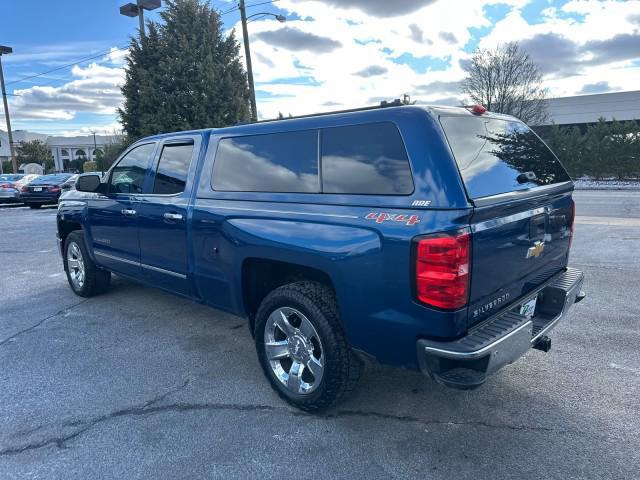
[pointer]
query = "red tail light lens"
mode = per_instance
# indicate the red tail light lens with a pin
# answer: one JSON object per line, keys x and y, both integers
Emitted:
{"x": 24, "y": 189}
{"x": 442, "y": 269}
{"x": 54, "y": 189}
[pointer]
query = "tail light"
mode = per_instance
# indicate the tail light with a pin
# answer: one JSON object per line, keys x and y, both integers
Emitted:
{"x": 54, "y": 188}
{"x": 24, "y": 189}
{"x": 442, "y": 269}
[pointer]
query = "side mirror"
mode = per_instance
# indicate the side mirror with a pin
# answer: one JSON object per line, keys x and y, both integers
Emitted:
{"x": 89, "y": 183}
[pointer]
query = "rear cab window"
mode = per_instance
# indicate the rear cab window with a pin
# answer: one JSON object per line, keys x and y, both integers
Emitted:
{"x": 497, "y": 156}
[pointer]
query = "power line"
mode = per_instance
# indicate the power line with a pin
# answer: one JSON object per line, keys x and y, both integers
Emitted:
{"x": 48, "y": 81}
{"x": 262, "y": 3}
{"x": 237, "y": 7}
{"x": 248, "y": 6}
{"x": 82, "y": 60}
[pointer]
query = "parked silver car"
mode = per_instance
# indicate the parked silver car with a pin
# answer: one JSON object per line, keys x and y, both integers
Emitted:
{"x": 70, "y": 184}
{"x": 10, "y": 185}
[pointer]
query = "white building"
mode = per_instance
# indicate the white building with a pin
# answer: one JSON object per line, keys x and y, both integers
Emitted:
{"x": 584, "y": 109}
{"x": 63, "y": 149}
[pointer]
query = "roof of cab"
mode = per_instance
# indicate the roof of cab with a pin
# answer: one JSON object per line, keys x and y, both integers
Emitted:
{"x": 325, "y": 119}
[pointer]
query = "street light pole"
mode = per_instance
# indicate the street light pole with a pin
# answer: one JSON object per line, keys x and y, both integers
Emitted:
{"x": 141, "y": 20}
{"x": 247, "y": 54}
{"x": 137, "y": 10}
{"x": 5, "y": 50}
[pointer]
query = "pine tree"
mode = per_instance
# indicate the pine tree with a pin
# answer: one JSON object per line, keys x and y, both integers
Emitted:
{"x": 185, "y": 74}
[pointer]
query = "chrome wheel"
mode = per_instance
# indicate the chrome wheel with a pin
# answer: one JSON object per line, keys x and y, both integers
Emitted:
{"x": 294, "y": 351}
{"x": 75, "y": 265}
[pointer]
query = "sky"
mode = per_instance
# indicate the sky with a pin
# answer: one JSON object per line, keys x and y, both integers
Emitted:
{"x": 328, "y": 55}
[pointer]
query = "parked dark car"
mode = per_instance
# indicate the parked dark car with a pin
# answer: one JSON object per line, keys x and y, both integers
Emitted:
{"x": 432, "y": 238}
{"x": 44, "y": 190}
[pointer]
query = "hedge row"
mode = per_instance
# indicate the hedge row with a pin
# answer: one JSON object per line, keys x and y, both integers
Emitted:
{"x": 602, "y": 150}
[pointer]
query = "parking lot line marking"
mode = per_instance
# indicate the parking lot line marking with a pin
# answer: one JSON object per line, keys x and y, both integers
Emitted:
{"x": 625, "y": 369}
{"x": 613, "y": 221}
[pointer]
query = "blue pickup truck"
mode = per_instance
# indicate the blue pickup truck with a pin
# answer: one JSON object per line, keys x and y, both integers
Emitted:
{"x": 431, "y": 238}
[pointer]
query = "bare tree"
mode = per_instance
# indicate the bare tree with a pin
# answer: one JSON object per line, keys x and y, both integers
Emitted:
{"x": 505, "y": 80}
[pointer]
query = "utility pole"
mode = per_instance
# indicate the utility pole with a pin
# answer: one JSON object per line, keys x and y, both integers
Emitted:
{"x": 5, "y": 50}
{"x": 247, "y": 54}
{"x": 95, "y": 149}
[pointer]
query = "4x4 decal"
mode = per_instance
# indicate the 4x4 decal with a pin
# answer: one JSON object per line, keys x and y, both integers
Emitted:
{"x": 408, "y": 220}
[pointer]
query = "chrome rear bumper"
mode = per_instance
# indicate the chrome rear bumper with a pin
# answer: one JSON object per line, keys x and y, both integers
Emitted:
{"x": 467, "y": 362}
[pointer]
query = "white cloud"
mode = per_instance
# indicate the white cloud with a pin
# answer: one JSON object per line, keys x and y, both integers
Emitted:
{"x": 372, "y": 35}
{"x": 335, "y": 54}
{"x": 117, "y": 56}
{"x": 95, "y": 89}
{"x": 110, "y": 130}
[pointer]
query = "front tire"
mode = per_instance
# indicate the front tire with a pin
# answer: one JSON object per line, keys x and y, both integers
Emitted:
{"x": 302, "y": 348}
{"x": 85, "y": 279}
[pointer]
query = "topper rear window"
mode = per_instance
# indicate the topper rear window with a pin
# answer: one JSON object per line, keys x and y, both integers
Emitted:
{"x": 497, "y": 156}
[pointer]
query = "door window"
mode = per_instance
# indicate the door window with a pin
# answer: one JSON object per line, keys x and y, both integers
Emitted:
{"x": 173, "y": 167}
{"x": 128, "y": 175}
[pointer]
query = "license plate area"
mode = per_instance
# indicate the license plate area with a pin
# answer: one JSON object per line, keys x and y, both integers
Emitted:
{"x": 528, "y": 309}
{"x": 37, "y": 189}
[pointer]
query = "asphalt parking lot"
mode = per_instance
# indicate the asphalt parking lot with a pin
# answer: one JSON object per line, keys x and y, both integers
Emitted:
{"x": 138, "y": 383}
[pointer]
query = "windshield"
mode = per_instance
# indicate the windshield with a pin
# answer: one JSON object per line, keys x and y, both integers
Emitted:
{"x": 26, "y": 179}
{"x": 497, "y": 156}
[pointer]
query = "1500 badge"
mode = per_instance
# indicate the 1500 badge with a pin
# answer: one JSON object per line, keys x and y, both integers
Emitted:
{"x": 408, "y": 220}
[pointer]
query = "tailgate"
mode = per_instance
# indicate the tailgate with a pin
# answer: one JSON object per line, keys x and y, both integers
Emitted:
{"x": 515, "y": 249}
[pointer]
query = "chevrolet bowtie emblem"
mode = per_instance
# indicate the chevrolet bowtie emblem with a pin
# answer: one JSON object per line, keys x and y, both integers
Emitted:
{"x": 536, "y": 250}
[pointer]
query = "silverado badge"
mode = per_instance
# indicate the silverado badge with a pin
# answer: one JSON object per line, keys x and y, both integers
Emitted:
{"x": 536, "y": 250}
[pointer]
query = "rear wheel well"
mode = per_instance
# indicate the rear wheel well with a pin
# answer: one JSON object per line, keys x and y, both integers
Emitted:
{"x": 261, "y": 276}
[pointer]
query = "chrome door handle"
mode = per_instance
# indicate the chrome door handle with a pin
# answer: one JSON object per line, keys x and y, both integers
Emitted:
{"x": 128, "y": 212}
{"x": 172, "y": 216}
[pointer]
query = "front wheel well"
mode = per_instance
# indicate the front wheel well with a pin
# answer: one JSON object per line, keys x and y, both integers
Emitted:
{"x": 65, "y": 227}
{"x": 261, "y": 276}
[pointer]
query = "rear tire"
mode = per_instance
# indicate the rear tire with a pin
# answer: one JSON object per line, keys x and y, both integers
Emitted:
{"x": 302, "y": 348}
{"x": 35, "y": 205}
{"x": 84, "y": 277}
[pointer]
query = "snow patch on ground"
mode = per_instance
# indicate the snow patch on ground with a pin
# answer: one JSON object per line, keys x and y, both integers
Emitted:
{"x": 586, "y": 183}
